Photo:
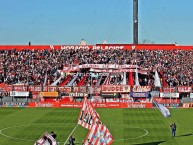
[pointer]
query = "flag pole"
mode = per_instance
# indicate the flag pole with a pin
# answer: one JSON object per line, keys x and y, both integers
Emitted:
{"x": 170, "y": 94}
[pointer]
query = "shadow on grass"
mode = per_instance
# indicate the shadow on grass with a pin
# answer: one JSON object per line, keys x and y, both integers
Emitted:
{"x": 184, "y": 135}
{"x": 151, "y": 143}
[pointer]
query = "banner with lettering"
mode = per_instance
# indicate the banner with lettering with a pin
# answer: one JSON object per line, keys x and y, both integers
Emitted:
{"x": 115, "y": 88}
{"x": 184, "y": 89}
{"x": 169, "y": 95}
{"x": 141, "y": 88}
{"x": 139, "y": 94}
{"x": 88, "y": 116}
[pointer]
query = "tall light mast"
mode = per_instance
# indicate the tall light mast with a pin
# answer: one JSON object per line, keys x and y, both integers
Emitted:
{"x": 135, "y": 21}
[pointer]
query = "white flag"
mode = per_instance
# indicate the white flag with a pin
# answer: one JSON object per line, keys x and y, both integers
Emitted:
{"x": 136, "y": 78}
{"x": 157, "y": 80}
{"x": 165, "y": 112}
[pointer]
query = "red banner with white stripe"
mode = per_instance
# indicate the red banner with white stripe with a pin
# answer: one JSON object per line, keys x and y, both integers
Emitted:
{"x": 99, "y": 135}
{"x": 88, "y": 116}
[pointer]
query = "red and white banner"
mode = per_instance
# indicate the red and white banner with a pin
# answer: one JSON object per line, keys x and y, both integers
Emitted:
{"x": 99, "y": 135}
{"x": 97, "y": 99}
{"x": 100, "y": 66}
{"x": 164, "y": 100}
{"x": 118, "y": 71}
{"x": 88, "y": 116}
{"x": 20, "y": 87}
{"x": 35, "y": 88}
{"x": 182, "y": 89}
{"x": 8, "y": 88}
{"x": 52, "y": 89}
{"x": 64, "y": 89}
{"x": 141, "y": 88}
{"x": 98, "y": 46}
{"x": 46, "y": 139}
{"x": 115, "y": 88}
{"x": 95, "y": 90}
{"x": 187, "y": 105}
{"x": 169, "y": 89}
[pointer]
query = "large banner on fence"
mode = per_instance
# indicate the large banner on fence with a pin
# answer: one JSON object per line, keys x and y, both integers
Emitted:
{"x": 98, "y": 46}
{"x": 14, "y": 104}
{"x": 18, "y": 94}
{"x": 115, "y": 88}
{"x": 49, "y": 94}
{"x": 139, "y": 94}
{"x": 187, "y": 105}
{"x": 141, "y": 88}
{"x": 184, "y": 89}
{"x": 169, "y": 95}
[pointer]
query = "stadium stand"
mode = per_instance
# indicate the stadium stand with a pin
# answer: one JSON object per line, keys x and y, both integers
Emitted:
{"x": 175, "y": 67}
{"x": 38, "y": 68}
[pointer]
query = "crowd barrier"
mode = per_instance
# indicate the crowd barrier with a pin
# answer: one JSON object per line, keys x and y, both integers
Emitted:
{"x": 95, "y": 105}
{"x": 98, "y": 89}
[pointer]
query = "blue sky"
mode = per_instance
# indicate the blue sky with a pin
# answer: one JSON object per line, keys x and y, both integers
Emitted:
{"x": 68, "y": 21}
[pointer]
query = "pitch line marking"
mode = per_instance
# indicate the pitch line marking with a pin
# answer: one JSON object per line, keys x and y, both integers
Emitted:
{"x": 146, "y": 132}
{"x": 24, "y": 126}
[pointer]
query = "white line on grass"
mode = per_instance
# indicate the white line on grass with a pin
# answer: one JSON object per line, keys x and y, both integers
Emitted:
{"x": 146, "y": 132}
{"x": 71, "y": 134}
{"x": 1, "y": 131}
{"x": 11, "y": 136}
{"x": 24, "y": 126}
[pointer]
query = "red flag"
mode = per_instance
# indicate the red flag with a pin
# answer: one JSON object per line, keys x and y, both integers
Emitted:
{"x": 88, "y": 116}
{"x": 164, "y": 81}
{"x": 99, "y": 135}
{"x": 64, "y": 82}
{"x": 81, "y": 81}
{"x": 131, "y": 83}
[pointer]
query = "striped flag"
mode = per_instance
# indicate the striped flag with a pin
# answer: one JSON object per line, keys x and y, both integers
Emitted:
{"x": 165, "y": 112}
{"x": 88, "y": 116}
{"x": 46, "y": 139}
{"x": 99, "y": 135}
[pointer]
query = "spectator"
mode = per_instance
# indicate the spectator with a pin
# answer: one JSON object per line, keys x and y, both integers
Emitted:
{"x": 32, "y": 66}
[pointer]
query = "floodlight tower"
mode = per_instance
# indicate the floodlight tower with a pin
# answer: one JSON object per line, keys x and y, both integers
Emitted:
{"x": 135, "y": 21}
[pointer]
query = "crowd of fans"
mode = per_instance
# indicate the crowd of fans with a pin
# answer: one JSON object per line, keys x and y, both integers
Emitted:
{"x": 33, "y": 66}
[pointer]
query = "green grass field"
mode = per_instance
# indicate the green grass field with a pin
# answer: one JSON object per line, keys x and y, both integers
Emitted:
{"x": 23, "y": 126}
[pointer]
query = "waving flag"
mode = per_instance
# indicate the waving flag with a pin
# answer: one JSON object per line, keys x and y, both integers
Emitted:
{"x": 88, "y": 116}
{"x": 99, "y": 135}
{"x": 46, "y": 139}
{"x": 136, "y": 78}
{"x": 157, "y": 82}
{"x": 165, "y": 112}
